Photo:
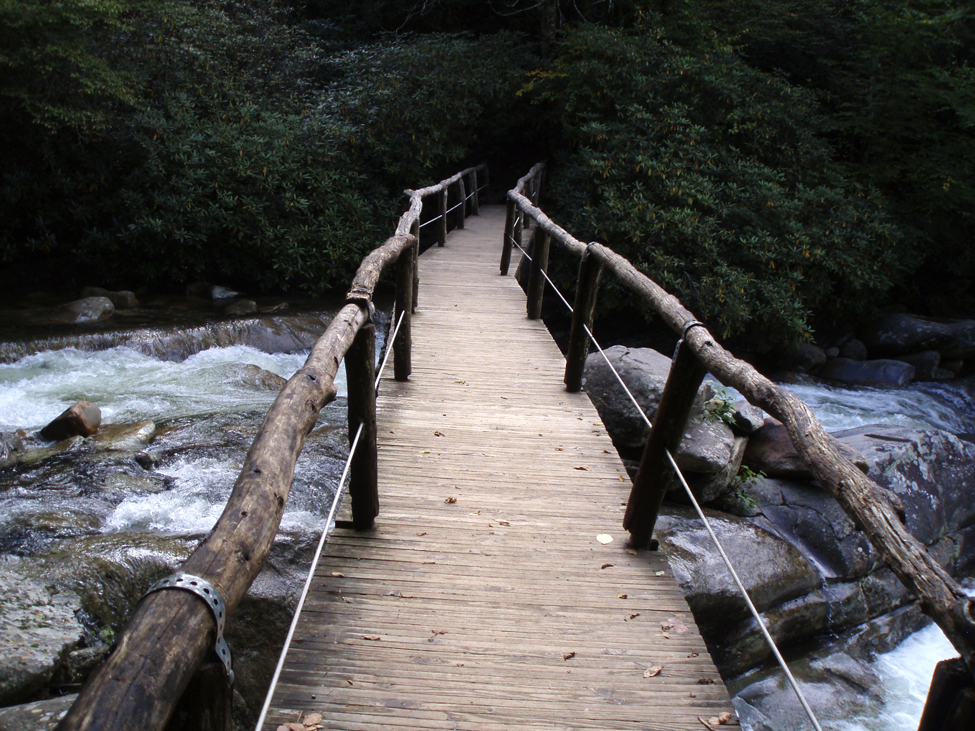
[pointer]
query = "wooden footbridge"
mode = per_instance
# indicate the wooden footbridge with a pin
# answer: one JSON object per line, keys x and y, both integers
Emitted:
{"x": 490, "y": 570}
{"x": 483, "y": 598}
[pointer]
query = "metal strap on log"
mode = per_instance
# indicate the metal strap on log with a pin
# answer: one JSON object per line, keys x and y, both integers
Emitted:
{"x": 169, "y": 635}
{"x": 874, "y": 511}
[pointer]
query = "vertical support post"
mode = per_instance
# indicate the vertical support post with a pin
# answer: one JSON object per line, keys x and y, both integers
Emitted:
{"x": 415, "y": 231}
{"x": 360, "y": 370}
{"x": 656, "y": 472}
{"x": 536, "y": 280}
{"x": 403, "y": 346}
{"x": 206, "y": 703}
{"x": 442, "y": 228}
{"x": 462, "y": 203}
{"x": 582, "y": 313}
{"x": 950, "y": 705}
{"x": 509, "y": 232}
{"x": 475, "y": 204}
{"x": 487, "y": 179}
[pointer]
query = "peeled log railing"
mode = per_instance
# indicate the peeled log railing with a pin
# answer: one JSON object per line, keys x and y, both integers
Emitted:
{"x": 873, "y": 510}
{"x": 171, "y": 632}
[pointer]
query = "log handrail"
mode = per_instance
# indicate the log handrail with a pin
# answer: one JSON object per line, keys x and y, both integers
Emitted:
{"x": 873, "y": 510}
{"x": 171, "y": 632}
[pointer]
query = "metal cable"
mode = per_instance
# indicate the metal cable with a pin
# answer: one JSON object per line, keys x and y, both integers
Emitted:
{"x": 432, "y": 220}
{"x": 321, "y": 546}
{"x": 700, "y": 513}
{"x": 458, "y": 205}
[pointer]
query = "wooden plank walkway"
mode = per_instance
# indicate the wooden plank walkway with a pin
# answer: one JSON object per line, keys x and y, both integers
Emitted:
{"x": 482, "y": 600}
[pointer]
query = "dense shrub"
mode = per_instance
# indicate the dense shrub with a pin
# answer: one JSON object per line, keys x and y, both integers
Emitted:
{"x": 707, "y": 175}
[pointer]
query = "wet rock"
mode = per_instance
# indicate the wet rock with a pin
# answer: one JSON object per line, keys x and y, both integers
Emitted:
{"x": 930, "y": 471}
{"x": 869, "y": 372}
{"x": 770, "y": 451}
{"x": 853, "y": 349}
{"x": 707, "y": 447}
{"x": 38, "y": 626}
{"x": 748, "y": 419}
{"x": 644, "y": 371}
{"x": 41, "y": 454}
{"x": 80, "y": 419}
{"x": 11, "y": 448}
{"x": 35, "y": 716}
{"x": 772, "y": 570}
{"x": 901, "y": 333}
{"x": 926, "y": 366}
{"x": 259, "y": 379}
{"x": 241, "y": 307}
{"x": 89, "y": 309}
{"x": 125, "y": 437}
{"x": 122, "y": 300}
{"x": 708, "y": 488}
{"x": 812, "y": 519}
{"x": 210, "y": 291}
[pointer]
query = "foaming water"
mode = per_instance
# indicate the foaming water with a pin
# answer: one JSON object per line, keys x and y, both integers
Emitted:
{"x": 906, "y": 677}
{"x": 129, "y": 386}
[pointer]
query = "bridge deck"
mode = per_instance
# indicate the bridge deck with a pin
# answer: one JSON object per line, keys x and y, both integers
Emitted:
{"x": 483, "y": 600}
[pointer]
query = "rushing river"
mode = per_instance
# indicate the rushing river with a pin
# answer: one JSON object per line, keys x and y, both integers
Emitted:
{"x": 207, "y": 408}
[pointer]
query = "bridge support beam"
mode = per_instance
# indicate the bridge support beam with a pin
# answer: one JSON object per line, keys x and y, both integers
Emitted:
{"x": 442, "y": 227}
{"x": 536, "y": 279}
{"x": 403, "y": 346}
{"x": 462, "y": 203}
{"x": 509, "y": 232}
{"x": 360, "y": 371}
{"x": 582, "y": 314}
{"x": 655, "y": 472}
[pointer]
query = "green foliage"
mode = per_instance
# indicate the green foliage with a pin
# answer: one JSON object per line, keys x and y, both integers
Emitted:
{"x": 50, "y": 73}
{"x": 708, "y": 176}
{"x": 720, "y": 408}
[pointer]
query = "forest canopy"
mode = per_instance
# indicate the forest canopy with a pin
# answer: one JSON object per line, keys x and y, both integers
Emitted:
{"x": 779, "y": 165}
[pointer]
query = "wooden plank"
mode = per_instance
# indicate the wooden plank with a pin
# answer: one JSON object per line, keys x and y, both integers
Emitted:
{"x": 482, "y": 598}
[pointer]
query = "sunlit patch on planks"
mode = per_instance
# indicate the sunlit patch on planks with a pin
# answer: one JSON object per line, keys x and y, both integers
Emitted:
{"x": 486, "y": 597}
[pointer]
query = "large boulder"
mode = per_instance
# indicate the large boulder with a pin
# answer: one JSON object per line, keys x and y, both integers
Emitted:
{"x": 900, "y": 334}
{"x": 772, "y": 570}
{"x": 81, "y": 419}
{"x": 771, "y": 452}
{"x": 38, "y": 627}
{"x": 122, "y": 300}
{"x": 11, "y": 448}
{"x": 644, "y": 371}
{"x": 894, "y": 373}
{"x": 930, "y": 471}
{"x": 36, "y": 716}
{"x": 927, "y": 366}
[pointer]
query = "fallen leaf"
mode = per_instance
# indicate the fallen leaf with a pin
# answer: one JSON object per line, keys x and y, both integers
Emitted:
{"x": 634, "y": 616}
{"x": 583, "y": 468}
{"x": 622, "y": 479}
{"x": 705, "y": 681}
{"x": 559, "y": 449}
{"x": 425, "y": 451}
{"x": 476, "y": 512}
{"x": 313, "y": 719}
{"x": 504, "y": 522}
{"x": 659, "y": 573}
{"x": 632, "y": 552}
{"x": 695, "y": 654}
{"x": 568, "y": 656}
{"x": 606, "y": 565}
{"x": 371, "y": 638}
{"x": 724, "y": 718}
{"x": 604, "y": 538}
{"x": 605, "y": 451}
{"x": 621, "y": 596}
{"x": 674, "y": 624}
{"x": 346, "y": 600}
{"x": 438, "y": 434}
{"x": 282, "y": 728}
{"x": 450, "y": 500}
{"x": 652, "y": 672}
{"x": 666, "y": 636}
{"x": 422, "y": 534}
{"x": 349, "y": 682}
{"x": 296, "y": 726}
{"x": 338, "y": 575}
{"x": 706, "y": 724}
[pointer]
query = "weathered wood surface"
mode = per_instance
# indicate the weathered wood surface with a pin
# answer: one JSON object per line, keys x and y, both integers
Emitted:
{"x": 873, "y": 510}
{"x": 484, "y": 572}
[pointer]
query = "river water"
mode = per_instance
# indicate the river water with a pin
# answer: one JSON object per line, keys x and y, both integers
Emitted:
{"x": 207, "y": 408}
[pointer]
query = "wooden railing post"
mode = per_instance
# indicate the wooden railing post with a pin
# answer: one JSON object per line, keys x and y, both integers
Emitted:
{"x": 207, "y": 701}
{"x": 950, "y": 705}
{"x": 475, "y": 205}
{"x": 656, "y": 472}
{"x": 415, "y": 231}
{"x": 360, "y": 372}
{"x": 582, "y": 314}
{"x": 403, "y": 347}
{"x": 509, "y": 232}
{"x": 442, "y": 228}
{"x": 462, "y": 203}
{"x": 536, "y": 279}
